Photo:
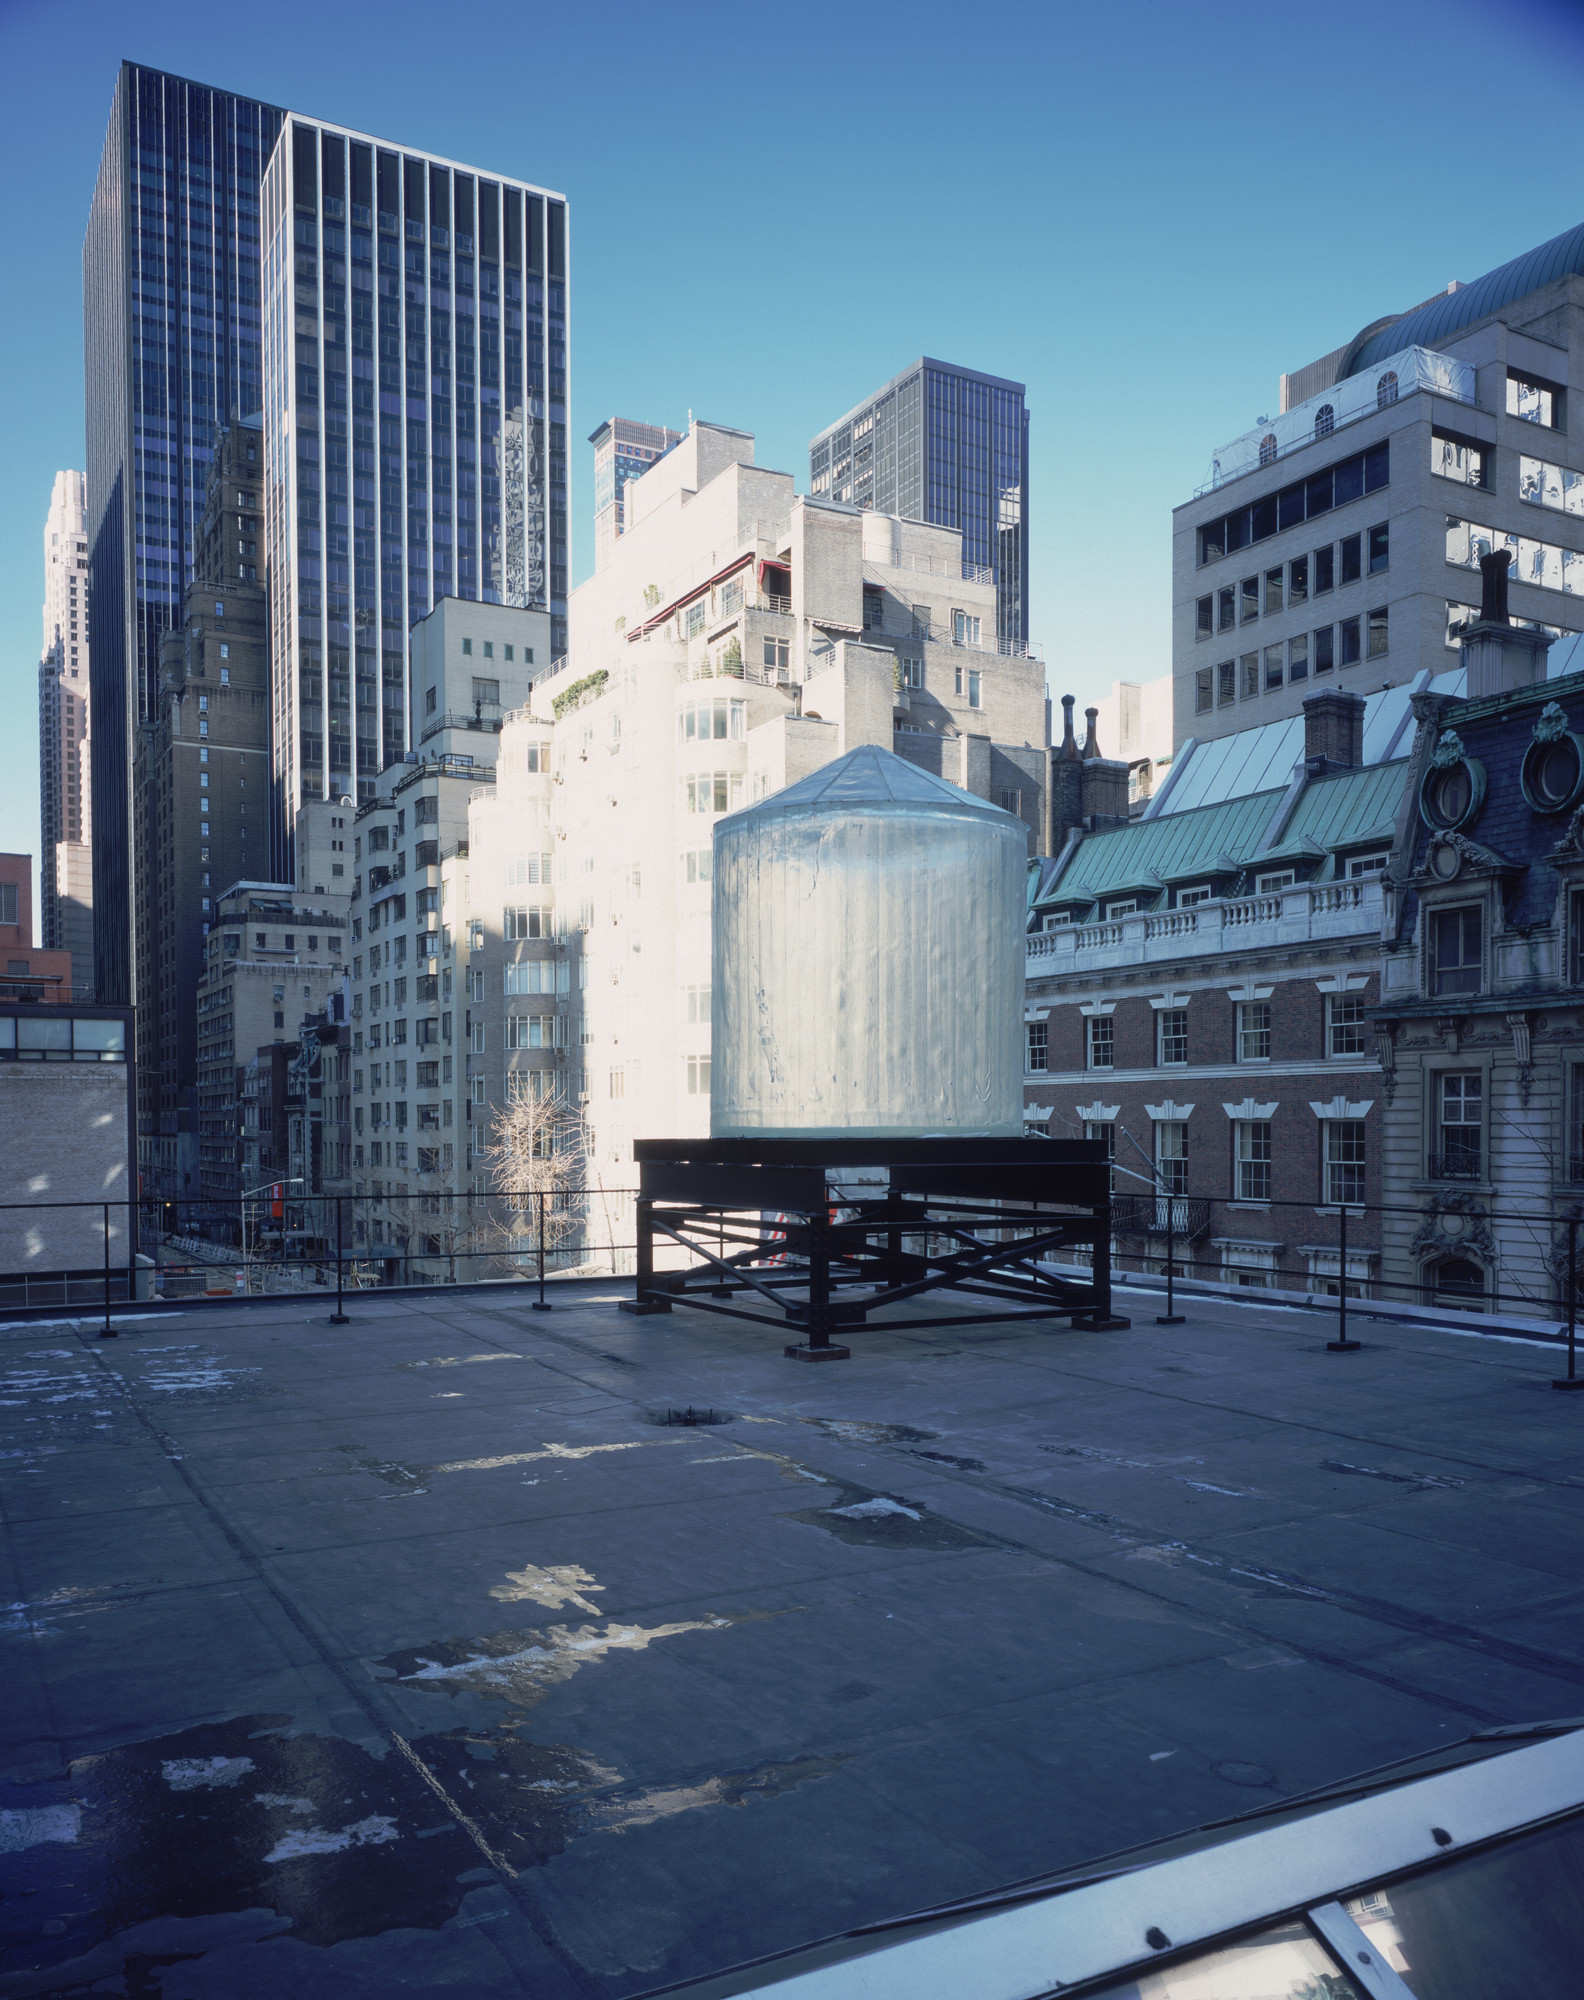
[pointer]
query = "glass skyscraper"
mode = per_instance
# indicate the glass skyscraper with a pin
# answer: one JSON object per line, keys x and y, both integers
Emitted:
{"x": 171, "y": 348}
{"x": 415, "y": 396}
{"x": 946, "y": 445}
{"x": 413, "y": 388}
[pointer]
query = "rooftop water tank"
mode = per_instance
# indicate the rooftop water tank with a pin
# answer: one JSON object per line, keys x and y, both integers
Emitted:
{"x": 868, "y": 958}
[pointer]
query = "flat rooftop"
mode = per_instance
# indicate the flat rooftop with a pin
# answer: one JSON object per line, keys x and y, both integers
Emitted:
{"x": 416, "y": 1655}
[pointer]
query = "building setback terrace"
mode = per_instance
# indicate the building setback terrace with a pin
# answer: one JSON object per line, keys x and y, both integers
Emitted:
{"x": 315, "y": 1687}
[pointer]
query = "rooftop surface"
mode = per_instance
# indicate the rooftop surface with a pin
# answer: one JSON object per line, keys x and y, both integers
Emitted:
{"x": 314, "y": 1687}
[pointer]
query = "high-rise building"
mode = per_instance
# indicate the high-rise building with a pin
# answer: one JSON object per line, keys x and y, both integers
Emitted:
{"x": 415, "y": 395}
{"x": 623, "y": 450}
{"x": 1337, "y": 544}
{"x": 171, "y": 330}
{"x": 413, "y": 387}
{"x": 65, "y": 818}
{"x": 946, "y": 445}
{"x": 201, "y": 805}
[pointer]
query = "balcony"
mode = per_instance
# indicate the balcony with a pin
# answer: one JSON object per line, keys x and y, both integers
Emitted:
{"x": 1298, "y": 915}
{"x": 1158, "y": 1215}
{"x": 1463, "y": 1164}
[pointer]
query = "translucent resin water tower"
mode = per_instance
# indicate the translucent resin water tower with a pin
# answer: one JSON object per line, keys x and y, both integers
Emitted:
{"x": 868, "y": 958}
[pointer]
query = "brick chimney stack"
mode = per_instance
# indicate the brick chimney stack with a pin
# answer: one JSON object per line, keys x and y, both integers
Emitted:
{"x": 1334, "y": 727}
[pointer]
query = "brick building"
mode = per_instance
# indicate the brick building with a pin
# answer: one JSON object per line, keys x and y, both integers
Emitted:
{"x": 1200, "y": 981}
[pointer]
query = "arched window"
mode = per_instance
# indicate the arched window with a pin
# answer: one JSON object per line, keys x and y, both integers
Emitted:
{"x": 1268, "y": 448}
{"x": 1325, "y": 421}
{"x": 1457, "y": 1282}
{"x": 1386, "y": 389}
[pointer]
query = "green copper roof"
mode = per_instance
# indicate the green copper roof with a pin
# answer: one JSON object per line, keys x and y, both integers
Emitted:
{"x": 1176, "y": 847}
{"x": 1351, "y": 807}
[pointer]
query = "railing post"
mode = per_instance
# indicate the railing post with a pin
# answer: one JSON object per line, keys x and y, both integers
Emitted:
{"x": 1572, "y": 1379}
{"x": 1342, "y": 1345}
{"x": 339, "y": 1316}
{"x": 540, "y": 1306}
{"x": 1171, "y": 1316}
{"x": 107, "y": 1331}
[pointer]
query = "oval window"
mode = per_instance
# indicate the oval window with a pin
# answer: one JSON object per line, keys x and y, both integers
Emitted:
{"x": 1552, "y": 774}
{"x": 1452, "y": 793}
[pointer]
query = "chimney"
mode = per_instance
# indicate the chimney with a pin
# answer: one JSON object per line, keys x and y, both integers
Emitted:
{"x": 1105, "y": 779}
{"x": 1066, "y": 782}
{"x": 1334, "y": 727}
{"x": 1498, "y": 656}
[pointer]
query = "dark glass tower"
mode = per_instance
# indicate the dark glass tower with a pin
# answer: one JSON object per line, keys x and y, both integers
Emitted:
{"x": 415, "y": 410}
{"x": 945, "y": 445}
{"x": 171, "y": 335}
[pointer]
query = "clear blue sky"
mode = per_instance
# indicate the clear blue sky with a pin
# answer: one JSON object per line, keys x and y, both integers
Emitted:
{"x": 1144, "y": 211}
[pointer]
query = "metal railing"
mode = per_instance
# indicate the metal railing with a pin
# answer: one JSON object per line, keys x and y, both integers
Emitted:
{"x": 1459, "y": 1166}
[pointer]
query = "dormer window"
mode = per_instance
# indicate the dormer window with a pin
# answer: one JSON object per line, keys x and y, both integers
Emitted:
{"x": 1126, "y": 906}
{"x": 1361, "y": 866}
{"x": 1200, "y": 892}
{"x": 1455, "y": 937}
{"x": 1274, "y": 883}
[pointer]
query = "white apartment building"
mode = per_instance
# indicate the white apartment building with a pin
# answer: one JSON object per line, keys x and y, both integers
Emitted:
{"x": 738, "y": 637}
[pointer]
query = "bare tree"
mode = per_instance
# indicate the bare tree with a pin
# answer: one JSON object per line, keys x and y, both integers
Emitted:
{"x": 535, "y": 1160}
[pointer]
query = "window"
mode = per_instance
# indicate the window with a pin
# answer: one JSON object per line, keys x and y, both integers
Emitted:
{"x": 1386, "y": 389}
{"x": 713, "y": 791}
{"x": 1227, "y": 600}
{"x": 1273, "y": 667}
{"x": 521, "y": 924}
{"x": 1199, "y": 892}
{"x": 429, "y": 701}
{"x": 1038, "y": 1045}
{"x": 1325, "y": 649}
{"x": 1298, "y": 580}
{"x": 1298, "y": 657}
{"x": 1459, "y": 1120}
{"x": 8, "y": 902}
{"x": 698, "y": 1005}
{"x": 1352, "y": 558}
{"x": 1250, "y": 598}
{"x": 1204, "y": 691}
{"x": 1171, "y": 1036}
{"x": 1378, "y": 634}
{"x": 1267, "y": 449}
{"x": 698, "y": 1076}
{"x": 1345, "y": 1024}
{"x": 1101, "y": 1042}
{"x": 1226, "y": 683}
{"x": 698, "y": 864}
{"x": 1253, "y": 1031}
{"x": 1206, "y": 624}
{"x": 1361, "y": 865}
{"x": 1275, "y": 882}
{"x": 1103, "y": 1130}
{"x": 1171, "y": 1156}
{"x": 1253, "y": 1159}
{"x": 1126, "y": 906}
{"x": 1380, "y": 548}
{"x": 873, "y": 609}
{"x": 1273, "y": 590}
{"x": 1325, "y": 420}
{"x": 1464, "y": 463}
{"x": 508, "y": 652}
{"x": 1455, "y": 951}
{"x": 1325, "y": 569}
{"x": 1545, "y": 485}
{"x": 486, "y": 693}
{"x": 1575, "y": 937}
{"x": 1251, "y": 675}
{"x": 1351, "y": 642}
{"x": 1534, "y": 401}
{"x": 712, "y": 721}
{"x": 467, "y": 645}
{"x": 911, "y": 672}
{"x": 778, "y": 653}
{"x": 965, "y": 629}
{"x": 1317, "y": 494}
{"x": 695, "y": 616}
{"x": 968, "y": 684}
{"x": 1344, "y": 1161}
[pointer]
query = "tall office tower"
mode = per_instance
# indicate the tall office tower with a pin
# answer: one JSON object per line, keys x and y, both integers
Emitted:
{"x": 623, "y": 450}
{"x": 65, "y": 901}
{"x": 415, "y": 395}
{"x": 171, "y": 349}
{"x": 946, "y": 445}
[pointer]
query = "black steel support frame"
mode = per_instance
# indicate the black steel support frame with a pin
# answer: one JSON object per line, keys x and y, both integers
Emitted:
{"x": 794, "y": 1232}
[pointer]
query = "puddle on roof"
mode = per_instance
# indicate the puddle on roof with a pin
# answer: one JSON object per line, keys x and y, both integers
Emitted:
{"x": 861, "y": 1431}
{"x": 231, "y": 1833}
